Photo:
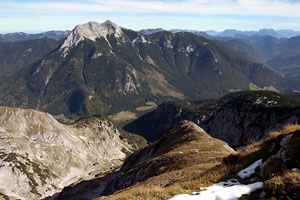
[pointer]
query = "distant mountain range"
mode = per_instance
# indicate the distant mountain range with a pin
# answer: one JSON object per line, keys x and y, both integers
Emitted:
{"x": 104, "y": 68}
{"x": 233, "y": 32}
{"x": 21, "y": 36}
{"x": 14, "y": 37}
{"x": 16, "y": 55}
{"x": 57, "y": 35}
{"x": 151, "y": 31}
{"x": 287, "y": 63}
{"x": 265, "y": 46}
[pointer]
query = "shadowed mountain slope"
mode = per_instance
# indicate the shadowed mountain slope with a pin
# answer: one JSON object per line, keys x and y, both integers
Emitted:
{"x": 104, "y": 68}
{"x": 237, "y": 118}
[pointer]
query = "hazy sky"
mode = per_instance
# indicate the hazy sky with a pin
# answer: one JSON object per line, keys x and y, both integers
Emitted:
{"x": 44, "y": 15}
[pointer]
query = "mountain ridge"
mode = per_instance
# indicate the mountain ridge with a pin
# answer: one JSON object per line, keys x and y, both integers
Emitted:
{"x": 126, "y": 69}
{"x": 39, "y": 156}
{"x": 17, "y": 55}
{"x": 16, "y": 37}
{"x": 168, "y": 156}
{"x": 237, "y": 118}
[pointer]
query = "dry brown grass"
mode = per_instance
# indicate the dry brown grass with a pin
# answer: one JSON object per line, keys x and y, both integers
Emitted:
{"x": 285, "y": 130}
{"x": 180, "y": 166}
{"x": 286, "y": 184}
{"x": 185, "y": 168}
{"x": 160, "y": 85}
{"x": 123, "y": 116}
{"x": 290, "y": 128}
{"x": 144, "y": 108}
{"x": 146, "y": 193}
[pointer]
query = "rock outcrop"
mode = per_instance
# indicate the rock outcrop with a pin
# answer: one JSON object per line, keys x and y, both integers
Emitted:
{"x": 39, "y": 156}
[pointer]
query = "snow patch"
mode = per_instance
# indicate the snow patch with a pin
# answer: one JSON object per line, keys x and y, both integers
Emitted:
{"x": 215, "y": 57}
{"x": 260, "y": 100}
{"x": 229, "y": 190}
{"x": 97, "y": 55}
{"x": 295, "y": 170}
{"x": 189, "y": 49}
{"x": 249, "y": 171}
{"x": 272, "y": 102}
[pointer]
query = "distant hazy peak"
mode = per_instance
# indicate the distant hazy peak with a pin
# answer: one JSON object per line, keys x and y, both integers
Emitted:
{"x": 151, "y": 31}
{"x": 91, "y": 30}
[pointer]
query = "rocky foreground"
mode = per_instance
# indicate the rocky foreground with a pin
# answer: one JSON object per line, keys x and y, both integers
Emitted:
{"x": 39, "y": 156}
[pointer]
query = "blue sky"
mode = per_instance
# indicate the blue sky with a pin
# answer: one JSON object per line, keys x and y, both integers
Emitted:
{"x": 43, "y": 15}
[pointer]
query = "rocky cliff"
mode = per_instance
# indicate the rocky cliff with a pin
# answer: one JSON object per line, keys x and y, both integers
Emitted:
{"x": 39, "y": 156}
{"x": 236, "y": 119}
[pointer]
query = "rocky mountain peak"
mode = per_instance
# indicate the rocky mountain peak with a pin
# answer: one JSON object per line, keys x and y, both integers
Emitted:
{"x": 91, "y": 31}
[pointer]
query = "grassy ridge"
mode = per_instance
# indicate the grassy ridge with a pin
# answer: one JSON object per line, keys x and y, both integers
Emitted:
{"x": 278, "y": 181}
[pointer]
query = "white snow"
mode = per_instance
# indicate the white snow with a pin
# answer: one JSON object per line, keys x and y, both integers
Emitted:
{"x": 215, "y": 57}
{"x": 91, "y": 31}
{"x": 295, "y": 170}
{"x": 260, "y": 100}
{"x": 189, "y": 49}
{"x": 97, "y": 55}
{"x": 229, "y": 190}
{"x": 249, "y": 171}
{"x": 272, "y": 102}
